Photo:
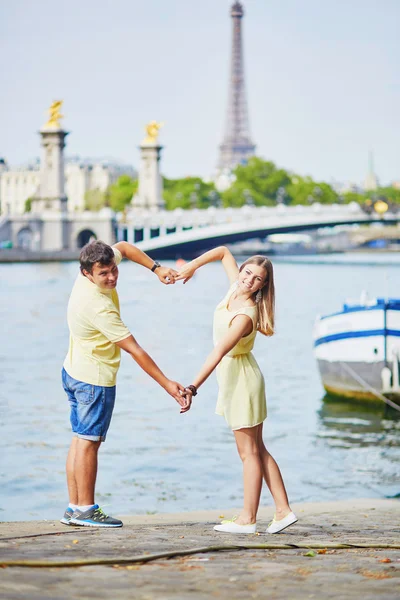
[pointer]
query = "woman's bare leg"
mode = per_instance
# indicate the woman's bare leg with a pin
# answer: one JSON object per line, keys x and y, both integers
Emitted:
{"x": 248, "y": 448}
{"x": 273, "y": 479}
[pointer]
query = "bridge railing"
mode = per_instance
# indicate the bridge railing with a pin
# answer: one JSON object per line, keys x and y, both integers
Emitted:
{"x": 185, "y": 219}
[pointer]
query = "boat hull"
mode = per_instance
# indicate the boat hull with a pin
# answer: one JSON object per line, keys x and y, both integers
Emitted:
{"x": 337, "y": 380}
{"x": 358, "y": 350}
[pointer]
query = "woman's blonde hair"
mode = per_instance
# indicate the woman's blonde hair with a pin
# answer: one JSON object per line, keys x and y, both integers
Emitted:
{"x": 266, "y": 305}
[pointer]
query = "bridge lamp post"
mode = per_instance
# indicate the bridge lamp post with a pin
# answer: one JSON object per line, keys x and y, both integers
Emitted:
{"x": 248, "y": 198}
{"x": 317, "y": 192}
{"x": 194, "y": 196}
{"x": 178, "y": 197}
{"x": 280, "y": 195}
{"x": 193, "y": 200}
{"x": 215, "y": 199}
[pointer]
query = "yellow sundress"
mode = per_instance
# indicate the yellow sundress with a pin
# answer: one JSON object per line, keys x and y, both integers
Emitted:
{"x": 241, "y": 398}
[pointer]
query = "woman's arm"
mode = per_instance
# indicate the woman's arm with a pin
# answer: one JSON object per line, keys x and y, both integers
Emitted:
{"x": 242, "y": 325}
{"x": 221, "y": 253}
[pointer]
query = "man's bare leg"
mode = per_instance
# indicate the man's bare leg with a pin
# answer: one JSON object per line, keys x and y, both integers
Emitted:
{"x": 71, "y": 480}
{"x": 82, "y": 471}
{"x": 85, "y": 470}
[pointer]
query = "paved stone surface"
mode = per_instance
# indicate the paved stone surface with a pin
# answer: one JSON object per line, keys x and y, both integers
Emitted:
{"x": 262, "y": 573}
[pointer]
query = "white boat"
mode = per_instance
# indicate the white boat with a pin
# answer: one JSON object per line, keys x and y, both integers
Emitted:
{"x": 358, "y": 349}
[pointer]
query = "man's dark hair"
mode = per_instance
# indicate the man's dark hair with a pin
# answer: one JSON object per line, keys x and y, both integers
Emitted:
{"x": 95, "y": 252}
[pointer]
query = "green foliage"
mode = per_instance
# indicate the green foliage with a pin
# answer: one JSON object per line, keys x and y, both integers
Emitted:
{"x": 353, "y": 197}
{"x": 121, "y": 192}
{"x": 257, "y": 183}
{"x": 304, "y": 190}
{"x": 261, "y": 183}
{"x": 28, "y": 205}
{"x": 388, "y": 193}
{"x": 190, "y": 192}
{"x": 95, "y": 200}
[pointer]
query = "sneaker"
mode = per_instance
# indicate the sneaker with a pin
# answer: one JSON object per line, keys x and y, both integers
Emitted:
{"x": 94, "y": 517}
{"x": 232, "y": 527}
{"x": 277, "y": 526}
{"x": 67, "y": 516}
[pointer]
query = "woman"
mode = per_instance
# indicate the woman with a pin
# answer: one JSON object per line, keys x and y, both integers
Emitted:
{"x": 248, "y": 307}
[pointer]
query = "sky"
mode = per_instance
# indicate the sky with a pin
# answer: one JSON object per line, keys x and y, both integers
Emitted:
{"x": 322, "y": 81}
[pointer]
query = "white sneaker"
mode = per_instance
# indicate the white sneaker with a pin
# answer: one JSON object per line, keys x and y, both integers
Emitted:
{"x": 277, "y": 526}
{"x": 231, "y": 527}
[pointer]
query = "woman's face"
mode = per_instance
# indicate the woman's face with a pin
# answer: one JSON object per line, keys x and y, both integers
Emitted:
{"x": 252, "y": 278}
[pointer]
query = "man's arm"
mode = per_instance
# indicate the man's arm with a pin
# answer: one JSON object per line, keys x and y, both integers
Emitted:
{"x": 148, "y": 365}
{"x": 131, "y": 252}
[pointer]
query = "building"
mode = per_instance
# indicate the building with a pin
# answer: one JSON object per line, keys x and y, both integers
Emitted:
{"x": 371, "y": 181}
{"x": 22, "y": 183}
{"x": 49, "y": 226}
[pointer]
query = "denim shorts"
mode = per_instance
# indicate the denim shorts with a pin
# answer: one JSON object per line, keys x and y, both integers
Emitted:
{"x": 91, "y": 408}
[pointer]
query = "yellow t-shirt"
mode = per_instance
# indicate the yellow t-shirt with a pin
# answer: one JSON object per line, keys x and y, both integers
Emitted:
{"x": 95, "y": 326}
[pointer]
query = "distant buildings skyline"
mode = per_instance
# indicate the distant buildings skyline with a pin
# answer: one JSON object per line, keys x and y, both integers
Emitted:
{"x": 18, "y": 184}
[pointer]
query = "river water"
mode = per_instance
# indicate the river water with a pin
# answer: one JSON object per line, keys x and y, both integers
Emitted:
{"x": 154, "y": 459}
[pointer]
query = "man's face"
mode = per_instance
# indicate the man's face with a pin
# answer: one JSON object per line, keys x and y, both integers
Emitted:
{"x": 104, "y": 276}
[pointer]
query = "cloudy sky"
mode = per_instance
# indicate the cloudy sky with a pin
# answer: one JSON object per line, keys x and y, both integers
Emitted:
{"x": 323, "y": 80}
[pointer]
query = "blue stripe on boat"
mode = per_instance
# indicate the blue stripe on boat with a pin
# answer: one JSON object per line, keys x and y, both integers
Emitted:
{"x": 347, "y": 335}
{"x": 381, "y": 304}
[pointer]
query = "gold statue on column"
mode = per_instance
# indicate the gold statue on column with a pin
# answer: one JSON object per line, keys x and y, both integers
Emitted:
{"x": 55, "y": 115}
{"x": 152, "y": 130}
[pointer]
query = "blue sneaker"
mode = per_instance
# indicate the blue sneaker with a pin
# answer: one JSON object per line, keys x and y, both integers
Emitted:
{"x": 94, "y": 517}
{"x": 67, "y": 516}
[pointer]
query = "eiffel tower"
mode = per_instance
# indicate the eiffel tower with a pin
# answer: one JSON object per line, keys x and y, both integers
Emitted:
{"x": 237, "y": 146}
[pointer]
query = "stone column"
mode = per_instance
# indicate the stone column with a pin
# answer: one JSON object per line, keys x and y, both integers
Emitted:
{"x": 50, "y": 203}
{"x": 51, "y": 194}
{"x": 149, "y": 195}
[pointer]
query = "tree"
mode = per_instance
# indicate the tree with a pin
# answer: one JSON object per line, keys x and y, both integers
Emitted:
{"x": 304, "y": 190}
{"x": 95, "y": 200}
{"x": 354, "y": 197}
{"x": 388, "y": 193}
{"x": 28, "y": 205}
{"x": 190, "y": 192}
{"x": 257, "y": 182}
{"x": 121, "y": 192}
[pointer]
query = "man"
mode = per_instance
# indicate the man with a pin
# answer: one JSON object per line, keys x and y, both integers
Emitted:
{"x": 97, "y": 334}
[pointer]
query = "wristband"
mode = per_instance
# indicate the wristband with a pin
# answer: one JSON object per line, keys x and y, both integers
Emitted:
{"x": 193, "y": 389}
{"x": 155, "y": 266}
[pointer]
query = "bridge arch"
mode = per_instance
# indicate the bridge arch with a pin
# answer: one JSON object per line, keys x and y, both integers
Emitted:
{"x": 25, "y": 238}
{"x": 84, "y": 237}
{"x": 192, "y": 242}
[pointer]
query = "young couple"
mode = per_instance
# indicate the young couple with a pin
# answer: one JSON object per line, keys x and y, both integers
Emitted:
{"x": 97, "y": 334}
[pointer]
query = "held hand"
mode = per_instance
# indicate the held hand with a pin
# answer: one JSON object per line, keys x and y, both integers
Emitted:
{"x": 186, "y": 273}
{"x": 166, "y": 275}
{"x": 177, "y": 391}
{"x": 189, "y": 397}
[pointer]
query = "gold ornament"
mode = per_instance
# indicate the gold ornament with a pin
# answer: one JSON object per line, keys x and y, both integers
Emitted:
{"x": 55, "y": 115}
{"x": 380, "y": 207}
{"x": 152, "y": 130}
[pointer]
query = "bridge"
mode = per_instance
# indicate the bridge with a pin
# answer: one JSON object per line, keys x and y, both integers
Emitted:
{"x": 172, "y": 234}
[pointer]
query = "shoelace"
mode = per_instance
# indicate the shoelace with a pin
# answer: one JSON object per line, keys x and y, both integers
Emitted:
{"x": 101, "y": 514}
